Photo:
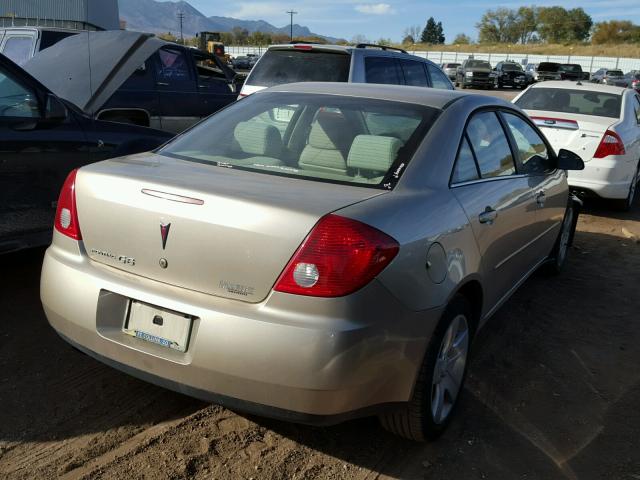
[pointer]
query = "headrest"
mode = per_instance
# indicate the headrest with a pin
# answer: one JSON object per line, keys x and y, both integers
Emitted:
{"x": 330, "y": 131}
{"x": 373, "y": 152}
{"x": 258, "y": 138}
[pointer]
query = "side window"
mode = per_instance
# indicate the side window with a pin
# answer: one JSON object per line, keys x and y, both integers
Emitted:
{"x": 531, "y": 148}
{"x": 16, "y": 100}
{"x": 382, "y": 70}
{"x": 438, "y": 79}
{"x": 140, "y": 79}
{"x": 465, "y": 169}
{"x": 18, "y": 49}
{"x": 414, "y": 73}
{"x": 637, "y": 108}
{"x": 172, "y": 66}
{"x": 490, "y": 145}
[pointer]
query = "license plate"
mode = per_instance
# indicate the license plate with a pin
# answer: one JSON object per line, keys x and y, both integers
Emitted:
{"x": 156, "y": 325}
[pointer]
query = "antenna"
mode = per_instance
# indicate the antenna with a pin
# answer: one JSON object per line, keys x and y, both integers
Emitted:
{"x": 292, "y": 13}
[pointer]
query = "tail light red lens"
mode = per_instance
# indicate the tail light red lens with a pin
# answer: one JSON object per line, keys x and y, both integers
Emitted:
{"x": 611, "y": 144}
{"x": 338, "y": 257}
{"x": 66, "y": 221}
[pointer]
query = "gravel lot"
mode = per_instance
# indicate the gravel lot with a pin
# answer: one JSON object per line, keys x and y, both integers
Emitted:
{"x": 552, "y": 393}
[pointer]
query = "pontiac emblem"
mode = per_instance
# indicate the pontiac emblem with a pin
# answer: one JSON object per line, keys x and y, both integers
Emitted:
{"x": 164, "y": 233}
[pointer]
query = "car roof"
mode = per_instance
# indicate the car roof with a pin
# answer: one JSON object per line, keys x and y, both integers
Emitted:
{"x": 429, "y": 97}
{"x": 587, "y": 86}
{"x": 348, "y": 49}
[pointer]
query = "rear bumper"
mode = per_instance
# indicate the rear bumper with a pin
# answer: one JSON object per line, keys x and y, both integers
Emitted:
{"x": 608, "y": 177}
{"x": 298, "y": 358}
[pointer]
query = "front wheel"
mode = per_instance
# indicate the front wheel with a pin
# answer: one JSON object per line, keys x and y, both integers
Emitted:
{"x": 440, "y": 379}
{"x": 560, "y": 251}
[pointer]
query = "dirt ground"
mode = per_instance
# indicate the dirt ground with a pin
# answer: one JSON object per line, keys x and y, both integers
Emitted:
{"x": 553, "y": 393}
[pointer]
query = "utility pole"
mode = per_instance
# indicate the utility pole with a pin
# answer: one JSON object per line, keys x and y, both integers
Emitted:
{"x": 181, "y": 18}
{"x": 292, "y": 13}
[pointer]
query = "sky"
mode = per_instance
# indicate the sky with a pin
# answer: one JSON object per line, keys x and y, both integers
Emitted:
{"x": 377, "y": 19}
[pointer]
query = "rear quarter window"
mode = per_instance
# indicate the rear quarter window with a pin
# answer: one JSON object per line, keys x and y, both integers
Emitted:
{"x": 277, "y": 67}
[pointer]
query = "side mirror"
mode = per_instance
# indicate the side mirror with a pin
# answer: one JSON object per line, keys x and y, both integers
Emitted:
{"x": 55, "y": 111}
{"x": 567, "y": 160}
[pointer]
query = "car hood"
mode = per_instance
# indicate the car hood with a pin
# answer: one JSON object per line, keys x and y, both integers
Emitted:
{"x": 91, "y": 66}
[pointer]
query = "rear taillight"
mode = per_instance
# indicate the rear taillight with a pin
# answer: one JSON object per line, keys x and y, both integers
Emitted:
{"x": 66, "y": 221}
{"x": 303, "y": 47}
{"x": 338, "y": 257}
{"x": 611, "y": 144}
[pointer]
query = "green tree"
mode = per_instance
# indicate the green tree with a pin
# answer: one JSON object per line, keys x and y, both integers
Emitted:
{"x": 240, "y": 35}
{"x": 430, "y": 32}
{"x": 526, "y": 23}
{"x": 553, "y": 24}
{"x": 413, "y": 32}
{"x": 498, "y": 26}
{"x": 440, "y": 33}
{"x": 579, "y": 26}
{"x": 462, "y": 39}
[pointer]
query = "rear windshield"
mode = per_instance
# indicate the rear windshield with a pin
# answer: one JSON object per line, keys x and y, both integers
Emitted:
{"x": 615, "y": 73}
{"x": 330, "y": 138}
{"x": 451, "y": 65}
{"x": 571, "y": 101}
{"x": 570, "y": 68}
{"x": 478, "y": 64}
{"x": 548, "y": 67}
{"x": 289, "y": 66}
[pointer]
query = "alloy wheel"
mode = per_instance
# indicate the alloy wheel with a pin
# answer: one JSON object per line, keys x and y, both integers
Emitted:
{"x": 449, "y": 369}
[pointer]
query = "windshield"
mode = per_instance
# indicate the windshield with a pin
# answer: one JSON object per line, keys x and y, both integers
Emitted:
{"x": 571, "y": 101}
{"x": 511, "y": 67}
{"x": 289, "y": 66}
{"x": 319, "y": 137}
{"x": 478, "y": 64}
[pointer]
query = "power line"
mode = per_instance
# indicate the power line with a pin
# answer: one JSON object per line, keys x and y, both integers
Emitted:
{"x": 181, "y": 18}
{"x": 292, "y": 13}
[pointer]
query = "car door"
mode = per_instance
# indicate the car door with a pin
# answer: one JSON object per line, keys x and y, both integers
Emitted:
{"x": 547, "y": 184}
{"x": 497, "y": 201}
{"x": 36, "y": 153}
{"x": 214, "y": 85}
{"x": 177, "y": 89}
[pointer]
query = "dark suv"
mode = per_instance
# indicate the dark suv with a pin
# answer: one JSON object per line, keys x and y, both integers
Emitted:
{"x": 475, "y": 73}
{"x": 363, "y": 63}
{"x": 511, "y": 74}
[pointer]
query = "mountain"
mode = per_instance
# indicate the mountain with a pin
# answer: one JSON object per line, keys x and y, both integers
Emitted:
{"x": 161, "y": 17}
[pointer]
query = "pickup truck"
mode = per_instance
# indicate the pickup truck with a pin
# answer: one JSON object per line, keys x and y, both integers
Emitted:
{"x": 572, "y": 71}
{"x": 475, "y": 73}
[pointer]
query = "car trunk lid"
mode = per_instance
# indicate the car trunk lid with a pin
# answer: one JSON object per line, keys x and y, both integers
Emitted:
{"x": 215, "y": 230}
{"x": 579, "y": 133}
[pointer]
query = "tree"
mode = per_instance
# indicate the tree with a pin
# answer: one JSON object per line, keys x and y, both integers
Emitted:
{"x": 579, "y": 26}
{"x": 384, "y": 41}
{"x": 408, "y": 40}
{"x": 498, "y": 26}
{"x": 359, "y": 38}
{"x": 414, "y": 32}
{"x": 430, "y": 32}
{"x": 240, "y": 35}
{"x": 440, "y": 33}
{"x": 616, "y": 31}
{"x": 526, "y": 23}
{"x": 462, "y": 39}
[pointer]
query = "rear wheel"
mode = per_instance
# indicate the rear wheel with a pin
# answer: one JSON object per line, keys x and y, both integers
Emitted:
{"x": 626, "y": 204}
{"x": 440, "y": 379}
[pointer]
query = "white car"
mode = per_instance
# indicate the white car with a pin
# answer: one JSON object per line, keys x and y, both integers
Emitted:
{"x": 598, "y": 122}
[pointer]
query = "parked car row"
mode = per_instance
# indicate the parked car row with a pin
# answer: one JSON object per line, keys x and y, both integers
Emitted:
{"x": 325, "y": 248}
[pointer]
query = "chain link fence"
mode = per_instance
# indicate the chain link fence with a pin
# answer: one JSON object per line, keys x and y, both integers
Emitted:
{"x": 588, "y": 64}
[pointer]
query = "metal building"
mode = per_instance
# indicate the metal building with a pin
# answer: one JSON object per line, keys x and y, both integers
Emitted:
{"x": 76, "y": 14}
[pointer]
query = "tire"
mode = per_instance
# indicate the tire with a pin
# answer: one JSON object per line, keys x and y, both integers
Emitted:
{"x": 432, "y": 405}
{"x": 558, "y": 256}
{"x": 626, "y": 204}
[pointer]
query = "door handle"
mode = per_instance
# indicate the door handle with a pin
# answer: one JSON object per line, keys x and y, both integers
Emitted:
{"x": 162, "y": 84}
{"x": 488, "y": 216}
{"x": 541, "y": 197}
